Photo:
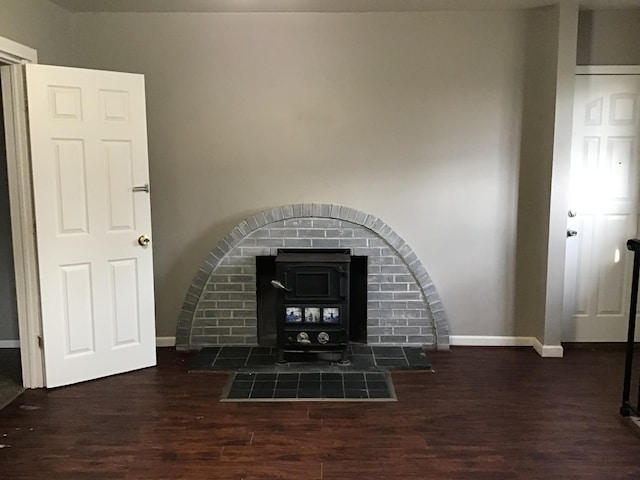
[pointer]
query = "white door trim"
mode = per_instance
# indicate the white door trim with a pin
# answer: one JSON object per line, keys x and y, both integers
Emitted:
{"x": 12, "y": 52}
{"x": 608, "y": 70}
{"x": 21, "y": 208}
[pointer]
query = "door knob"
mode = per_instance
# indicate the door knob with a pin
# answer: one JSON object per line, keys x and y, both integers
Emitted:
{"x": 571, "y": 233}
{"x": 143, "y": 240}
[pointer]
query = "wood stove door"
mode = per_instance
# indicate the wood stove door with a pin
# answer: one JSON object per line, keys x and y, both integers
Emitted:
{"x": 312, "y": 310}
{"x": 307, "y": 282}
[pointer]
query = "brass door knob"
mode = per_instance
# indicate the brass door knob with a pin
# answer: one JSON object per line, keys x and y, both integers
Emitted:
{"x": 143, "y": 240}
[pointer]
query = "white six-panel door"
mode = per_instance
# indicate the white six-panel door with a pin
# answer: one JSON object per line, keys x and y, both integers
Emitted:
{"x": 89, "y": 150}
{"x": 604, "y": 195}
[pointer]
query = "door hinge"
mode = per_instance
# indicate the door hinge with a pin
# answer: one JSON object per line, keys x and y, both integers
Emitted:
{"x": 40, "y": 342}
{"x": 26, "y": 105}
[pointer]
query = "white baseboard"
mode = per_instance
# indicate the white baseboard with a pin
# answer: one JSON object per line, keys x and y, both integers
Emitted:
{"x": 551, "y": 351}
{"x": 490, "y": 341}
{"x": 160, "y": 342}
{"x": 165, "y": 341}
{"x": 547, "y": 351}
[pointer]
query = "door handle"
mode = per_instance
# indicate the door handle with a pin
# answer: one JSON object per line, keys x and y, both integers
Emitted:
{"x": 279, "y": 285}
{"x": 571, "y": 233}
{"x": 142, "y": 188}
{"x": 143, "y": 240}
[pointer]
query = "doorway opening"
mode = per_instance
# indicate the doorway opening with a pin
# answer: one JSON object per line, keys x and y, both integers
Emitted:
{"x": 10, "y": 364}
{"x": 13, "y": 54}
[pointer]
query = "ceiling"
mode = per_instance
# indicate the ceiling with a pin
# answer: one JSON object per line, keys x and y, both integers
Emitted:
{"x": 321, "y": 5}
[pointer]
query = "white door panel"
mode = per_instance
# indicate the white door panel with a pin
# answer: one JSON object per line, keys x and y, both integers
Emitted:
{"x": 89, "y": 149}
{"x": 604, "y": 192}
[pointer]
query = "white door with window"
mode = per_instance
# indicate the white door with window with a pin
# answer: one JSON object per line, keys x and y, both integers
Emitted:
{"x": 604, "y": 207}
{"x": 88, "y": 144}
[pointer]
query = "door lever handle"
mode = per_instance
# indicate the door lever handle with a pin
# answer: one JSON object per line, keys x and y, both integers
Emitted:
{"x": 279, "y": 285}
{"x": 571, "y": 233}
{"x": 141, "y": 188}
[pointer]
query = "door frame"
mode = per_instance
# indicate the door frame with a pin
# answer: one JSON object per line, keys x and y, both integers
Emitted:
{"x": 21, "y": 208}
{"x": 584, "y": 70}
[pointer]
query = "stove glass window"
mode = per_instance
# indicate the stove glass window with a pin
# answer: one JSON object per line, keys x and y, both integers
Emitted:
{"x": 312, "y": 284}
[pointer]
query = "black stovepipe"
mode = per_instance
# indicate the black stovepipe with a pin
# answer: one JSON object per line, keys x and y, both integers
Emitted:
{"x": 626, "y": 409}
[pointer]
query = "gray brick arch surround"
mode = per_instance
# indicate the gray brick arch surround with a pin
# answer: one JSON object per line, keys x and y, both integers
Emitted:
{"x": 403, "y": 304}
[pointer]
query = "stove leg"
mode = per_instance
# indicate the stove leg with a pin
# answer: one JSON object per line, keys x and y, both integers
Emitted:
{"x": 343, "y": 358}
{"x": 281, "y": 360}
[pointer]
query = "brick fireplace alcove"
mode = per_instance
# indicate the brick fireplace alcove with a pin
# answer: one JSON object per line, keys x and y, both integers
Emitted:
{"x": 403, "y": 305}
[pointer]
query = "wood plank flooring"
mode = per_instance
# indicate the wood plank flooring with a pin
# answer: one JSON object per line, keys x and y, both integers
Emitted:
{"x": 10, "y": 375}
{"x": 486, "y": 413}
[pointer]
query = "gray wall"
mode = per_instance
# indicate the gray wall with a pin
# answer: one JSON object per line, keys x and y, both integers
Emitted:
{"x": 536, "y": 163}
{"x": 414, "y": 118}
{"x": 41, "y": 25}
{"x": 439, "y": 123}
{"x": 609, "y": 37}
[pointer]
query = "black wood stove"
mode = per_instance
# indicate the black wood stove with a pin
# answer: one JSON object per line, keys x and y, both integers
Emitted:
{"x": 312, "y": 309}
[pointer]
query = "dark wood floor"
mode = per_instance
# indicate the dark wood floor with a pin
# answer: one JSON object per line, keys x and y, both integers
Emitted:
{"x": 10, "y": 375}
{"x": 487, "y": 413}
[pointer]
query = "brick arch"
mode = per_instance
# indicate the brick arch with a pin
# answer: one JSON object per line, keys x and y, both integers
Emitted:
{"x": 437, "y": 314}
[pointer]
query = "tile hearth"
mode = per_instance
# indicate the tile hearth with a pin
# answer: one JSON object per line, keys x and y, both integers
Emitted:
{"x": 273, "y": 387}
{"x": 362, "y": 358}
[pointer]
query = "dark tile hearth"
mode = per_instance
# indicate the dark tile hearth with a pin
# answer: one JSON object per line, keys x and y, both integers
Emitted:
{"x": 318, "y": 386}
{"x": 362, "y": 358}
